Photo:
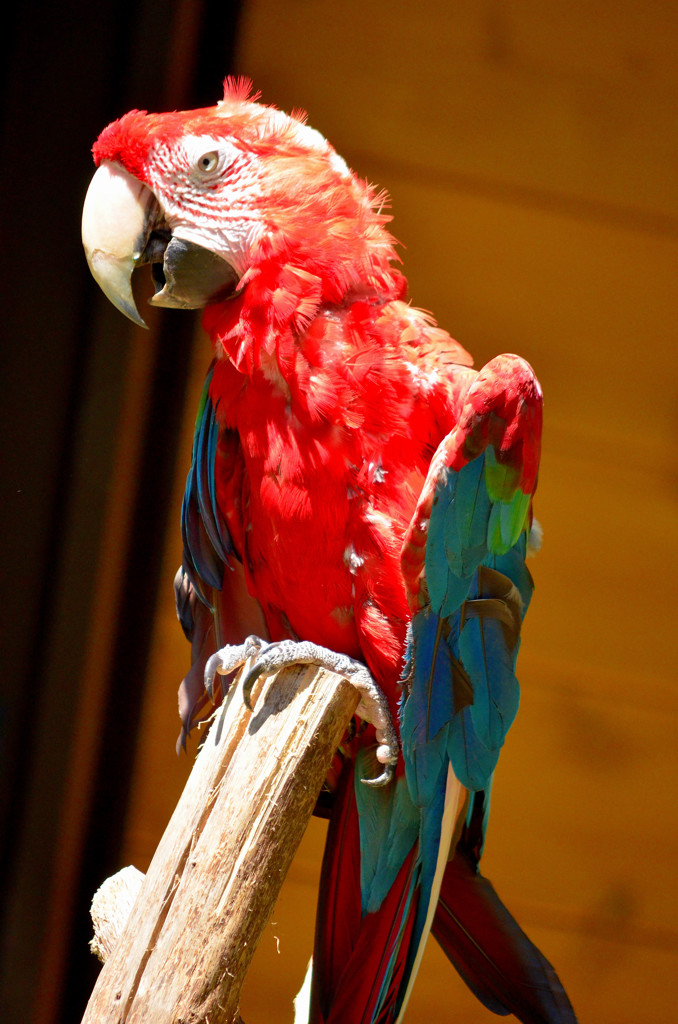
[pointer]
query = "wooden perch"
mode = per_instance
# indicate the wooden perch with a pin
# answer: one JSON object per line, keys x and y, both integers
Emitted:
{"x": 111, "y": 906}
{"x": 213, "y": 882}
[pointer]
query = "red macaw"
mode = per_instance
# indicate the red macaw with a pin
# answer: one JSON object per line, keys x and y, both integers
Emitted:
{"x": 359, "y": 496}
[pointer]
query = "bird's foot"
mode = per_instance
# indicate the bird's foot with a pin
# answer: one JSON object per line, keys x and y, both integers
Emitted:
{"x": 270, "y": 657}
{"x": 226, "y": 660}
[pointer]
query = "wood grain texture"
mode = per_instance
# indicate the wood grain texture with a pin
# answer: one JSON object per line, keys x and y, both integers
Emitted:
{"x": 219, "y": 866}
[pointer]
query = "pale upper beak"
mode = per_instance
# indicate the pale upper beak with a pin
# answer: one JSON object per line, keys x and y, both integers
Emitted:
{"x": 123, "y": 228}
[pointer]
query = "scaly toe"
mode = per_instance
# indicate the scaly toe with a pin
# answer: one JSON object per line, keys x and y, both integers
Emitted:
{"x": 373, "y": 706}
{"x": 228, "y": 659}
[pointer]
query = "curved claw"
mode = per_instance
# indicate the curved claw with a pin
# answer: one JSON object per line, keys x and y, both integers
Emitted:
{"x": 270, "y": 658}
{"x": 212, "y": 666}
{"x": 373, "y": 706}
{"x": 248, "y": 681}
{"x": 383, "y": 779}
{"x": 228, "y": 658}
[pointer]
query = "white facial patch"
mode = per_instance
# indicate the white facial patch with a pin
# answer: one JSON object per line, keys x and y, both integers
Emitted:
{"x": 210, "y": 193}
{"x": 208, "y": 159}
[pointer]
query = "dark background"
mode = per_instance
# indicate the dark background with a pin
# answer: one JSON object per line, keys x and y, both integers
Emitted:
{"x": 69, "y": 69}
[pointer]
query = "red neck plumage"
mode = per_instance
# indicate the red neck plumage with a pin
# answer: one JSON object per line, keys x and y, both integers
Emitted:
{"x": 281, "y": 294}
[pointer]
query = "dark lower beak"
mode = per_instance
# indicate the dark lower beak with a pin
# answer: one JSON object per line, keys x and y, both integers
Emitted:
{"x": 122, "y": 229}
{"x": 191, "y": 276}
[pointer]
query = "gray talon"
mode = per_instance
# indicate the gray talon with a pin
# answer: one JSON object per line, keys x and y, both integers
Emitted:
{"x": 227, "y": 659}
{"x": 372, "y": 708}
{"x": 211, "y": 668}
{"x": 383, "y": 779}
{"x": 249, "y": 679}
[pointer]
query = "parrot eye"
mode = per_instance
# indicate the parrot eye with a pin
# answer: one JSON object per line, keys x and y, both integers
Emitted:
{"x": 206, "y": 159}
{"x": 208, "y": 162}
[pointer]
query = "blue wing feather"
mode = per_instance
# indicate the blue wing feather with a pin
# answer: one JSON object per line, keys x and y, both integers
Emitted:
{"x": 460, "y": 692}
{"x": 206, "y": 444}
{"x": 460, "y": 696}
{"x": 199, "y": 558}
{"x": 389, "y": 824}
{"x": 206, "y": 539}
{"x": 457, "y": 636}
{"x": 457, "y": 535}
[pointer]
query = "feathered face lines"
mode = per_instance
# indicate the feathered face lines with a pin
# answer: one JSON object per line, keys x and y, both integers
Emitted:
{"x": 224, "y": 180}
{"x": 210, "y": 190}
{"x": 196, "y": 170}
{"x": 216, "y": 198}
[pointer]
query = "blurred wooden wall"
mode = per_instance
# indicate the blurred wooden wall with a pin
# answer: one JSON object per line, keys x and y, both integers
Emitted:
{"x": 531, "y": 154}
{"x": 530, "y": 150}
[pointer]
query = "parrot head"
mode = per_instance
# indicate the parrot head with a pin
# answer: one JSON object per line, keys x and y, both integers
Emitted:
{"x": 206, "y": 196}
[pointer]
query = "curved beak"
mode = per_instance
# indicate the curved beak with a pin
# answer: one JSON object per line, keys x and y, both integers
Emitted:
{"x": 116, "y": 219}
{"x": 123, "y": 228}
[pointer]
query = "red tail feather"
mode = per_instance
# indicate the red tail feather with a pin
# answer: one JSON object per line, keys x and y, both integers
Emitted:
{"x": 493, "y": 955}
{"x": 352, "y": 952}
